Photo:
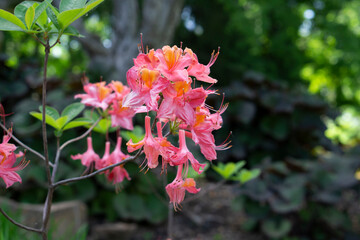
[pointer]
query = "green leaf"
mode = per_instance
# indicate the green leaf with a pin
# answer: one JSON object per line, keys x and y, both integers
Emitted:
{"x": 103, "y": 126}
{"x": 229, "y": 169}
{"x": 193, "y": 174}
{"x": 72, "y": 111}
{"x": 79, "y": 122}
{"x": 91, "y": 115}
{"x": 51, "y": 112}
{"x": 29, "y": 17}
{"x": 40, "y": 13}
{"x": 11, "y": 18}
{"x": 71, "y": 4}
{"x": 276, "y": 229}
{"x": 20, "y": 9}
{"x": 68, "y": 17}
{"x": 135, "y": 135}
{"x": 49, "y": 119}
{"x": 52, "y": 14}
{"x": 71, "y": 31}
{"x": 60, "y": 122}
{"x": 247, "y": 175}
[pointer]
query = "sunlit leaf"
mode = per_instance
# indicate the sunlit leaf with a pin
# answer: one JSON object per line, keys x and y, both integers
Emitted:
{"x": 79, "y": 122}
{"x": 67, "y": 17}
{"x": 49, "y": 120}
{"x": 10, "y": 18}
{"x": 72, "y": 111}
{"x": 29, "y": 17}
{"x": 71, "y": 4}
{"x": 51, "y": 112}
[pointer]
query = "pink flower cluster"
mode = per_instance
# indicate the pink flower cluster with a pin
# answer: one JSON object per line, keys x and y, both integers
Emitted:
{"x": 163, "y": 81}
{"x": 8, "y": 159}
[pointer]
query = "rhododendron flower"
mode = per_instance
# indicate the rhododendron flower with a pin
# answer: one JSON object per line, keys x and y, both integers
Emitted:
{"x": 176, "y": 189}
{"x": 97, "y": 95}
{"x": 200, "y": 71}
{"x": 180, "y": 101}
{"x": 151, "y": 146}
{"x": 167, "y": 150}
{"x": 183, "y": 155}
{"x": 89, "y": 156}
{"x": 173, "y": 63}
{"x": 119, "y": 173}
{"x": 201, "y": 131}
{"x": 7, "y": 161}
{"x": 146, "y": 85}
{"x": 121, "y": 116}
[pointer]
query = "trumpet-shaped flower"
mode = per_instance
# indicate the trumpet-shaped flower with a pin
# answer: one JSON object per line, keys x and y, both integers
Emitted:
{"x": 176, "y": 189}
{"x": 118, "y": 173}
{"x": 183, "y": 155}
{"x": 151, "y": 146}
{"x": 97, "y": 95}
{"x": 7, "y": 161}
{"x": 89, "y": 156}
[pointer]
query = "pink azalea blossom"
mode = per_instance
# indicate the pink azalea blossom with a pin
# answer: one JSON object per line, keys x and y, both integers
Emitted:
{"x": 201, "y": 131}
{"x": 167, "y": 150}
{"x": 180, "y": 101}
{"x": 183, "y": 155}
{"x": 97, "y": 95}
{"x": 151, "y": 146}
{"x": 176, "y": 189}
{"x": 173, "y": 63}
{"x": 200, "y": 71}
{"x": 146, "y": 85}
{"x": 119, "y": 173}
{"x": 7, "y": 161}
{"x": 121, "y": 116}
{"x": 89, "y": 156}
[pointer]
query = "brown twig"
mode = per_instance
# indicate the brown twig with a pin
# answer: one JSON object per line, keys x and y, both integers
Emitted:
{"x": 19, "y": 224}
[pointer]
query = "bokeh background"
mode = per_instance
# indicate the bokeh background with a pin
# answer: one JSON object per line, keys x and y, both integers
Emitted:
{"x": 289, "y": 69}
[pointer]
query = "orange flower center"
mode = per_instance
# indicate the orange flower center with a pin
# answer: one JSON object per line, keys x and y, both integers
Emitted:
{"x": 189, "y": 182}
{"x": 149, "y": 76}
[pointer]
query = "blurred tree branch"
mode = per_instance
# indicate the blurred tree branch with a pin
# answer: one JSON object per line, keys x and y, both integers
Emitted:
{"x": 156, "y": 19}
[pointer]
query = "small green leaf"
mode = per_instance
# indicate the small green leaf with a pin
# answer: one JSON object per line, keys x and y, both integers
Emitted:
{"x": 71, "y": 31}
{"x": 20, "y": 9}
{"x": 51, "y": 112}
{"x": 193, "y": 174}
{"x": 67, "y": 17}
{"x": 229, "y": 169}
{"x": 40, "y": 13}
{"x": 52, "y": 14}
{"x": 276, "y": 229}
{"x": 79, "y": 122}
{"x": 91, "y": 115}
{"x": 49, "y": 120}
{"x": 247, "y": 175}
{"x": 60, "y": 122}
{"x": 72, "y": 111}
{"x": 71, "y": 4}
{"x": 9, "y": 17}
{"x": 135, "y": 135}
{"x": 29, "y": 17}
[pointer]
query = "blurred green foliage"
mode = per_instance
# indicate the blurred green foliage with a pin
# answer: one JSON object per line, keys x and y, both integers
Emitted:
{"x": 272, "y": 54}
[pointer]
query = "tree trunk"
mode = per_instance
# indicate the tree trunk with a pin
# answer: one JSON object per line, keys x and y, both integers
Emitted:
{"x": 156, "y": 19}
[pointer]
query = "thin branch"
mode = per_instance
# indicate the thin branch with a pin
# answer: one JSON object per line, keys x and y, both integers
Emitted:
{"x": 19, "y": 224}
{"x": 24, "y": 145}
{"x": 81, "y": 136}
{"x": 66, "y": 181}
